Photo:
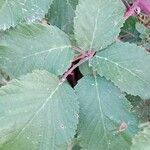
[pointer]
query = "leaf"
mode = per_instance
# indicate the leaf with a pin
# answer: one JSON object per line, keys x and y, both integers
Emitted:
{"x": 134, "y": 100}
{"x": 12, "y": 12}
{"x": 37, "y": 112}
{"x": 141, "y": 140}
{"x": 97, "y": 23}
{"x": 142, "y": 29}
{"x": 76, "y": 147}
{"x": 62, "y": 13}
{"x": 140, "y": 107}
{"x": 4, "y": 78}
{"x": 143, "y": 110}
{"x": 103, "y": 110}
{"x": 128, "y": 31}
{"x": 127, "y": 66}
{"x": 35, "y": 46}
{"x": 144, "y": 35}
{"x": 85, "y": 69}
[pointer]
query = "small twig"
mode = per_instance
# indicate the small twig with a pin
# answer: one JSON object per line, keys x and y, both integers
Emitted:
{"x": 125, "y": 2}
{"x": 78, "y": 58}
{"x": 86, "y": 56}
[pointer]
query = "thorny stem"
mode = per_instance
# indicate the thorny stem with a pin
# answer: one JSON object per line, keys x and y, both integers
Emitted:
{"x": 84, "y": 57}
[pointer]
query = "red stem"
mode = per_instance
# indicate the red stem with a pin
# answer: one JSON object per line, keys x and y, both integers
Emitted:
{"x": 85, "y": 57}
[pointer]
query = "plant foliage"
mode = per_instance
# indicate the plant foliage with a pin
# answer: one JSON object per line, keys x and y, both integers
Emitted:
{"x": 74, "y": 74}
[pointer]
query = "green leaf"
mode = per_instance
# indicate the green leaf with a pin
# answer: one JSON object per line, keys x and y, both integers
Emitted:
{"x": 4, "y": 78}
{"x": 35, "y": 46}
{"x": 142, "y": 29}
{"x": 37, "y": 112}
{"x": 76, "y": 147}
{"x": 97, "y": 23}
{"x": 128, "y": 31}
{"x": 85, "y": 69}
{"x": 127, "y": 66}
{"x": 13, "y": 12}
{"x": 140, "y": 107}
{"x": 141, "y": 140}
{"x": 103, "y": 110}
{"x": 143, "y": 111}
{"x": 134, "y": 100}
{"x": 62, "y": 13}
{"x": 144, "y": 35}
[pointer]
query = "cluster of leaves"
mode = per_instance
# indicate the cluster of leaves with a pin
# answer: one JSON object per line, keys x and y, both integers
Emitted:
{"x": 39, "y": 43}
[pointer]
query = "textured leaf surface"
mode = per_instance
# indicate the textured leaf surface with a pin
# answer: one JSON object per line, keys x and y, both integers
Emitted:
{"x": 142, "y": 140}
{"x": 127, "y": 66}
{"x": 62, "y": 13}
{"x": 29, "y": 47}
{"x": 13, "y": 12}
{"x": 37, "y": 113}
{"x": 102, "y": 111}
{"x": 98, "y": 23}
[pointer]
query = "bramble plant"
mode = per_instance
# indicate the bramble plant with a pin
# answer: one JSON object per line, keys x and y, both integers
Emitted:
{"x": 74, "y": 75}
